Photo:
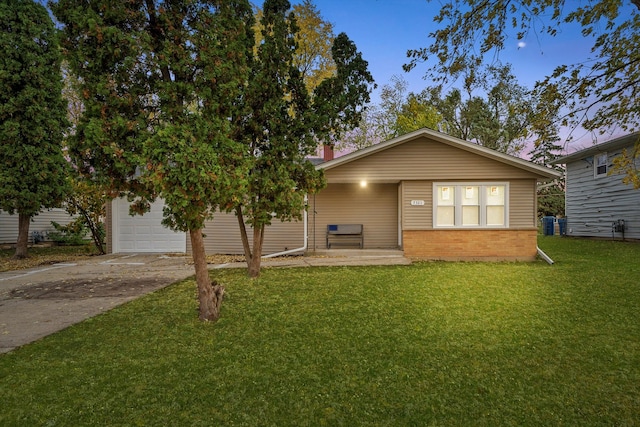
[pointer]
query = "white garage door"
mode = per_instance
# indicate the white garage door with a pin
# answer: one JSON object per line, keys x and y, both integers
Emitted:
{"x": 144, "y": 233}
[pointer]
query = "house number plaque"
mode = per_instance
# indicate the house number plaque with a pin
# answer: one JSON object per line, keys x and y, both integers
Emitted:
{"x": 417, "y": 203}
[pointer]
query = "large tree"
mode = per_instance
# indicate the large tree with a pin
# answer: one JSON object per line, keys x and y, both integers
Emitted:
{"x": 160, "y": 82}
{"x": 393, "y": 96}
{"x": 314, "y": 39}
{"x": 32, "y": 115}
{"x": 377, "y": 123}
{"x": 87, "y": 199}
{"x": 546, "y": 149}
{"x": 492, "y": 110}
{"x": 283, "y": 123}
{"x": 599, "y": 93}
{"x": 398, "y": 112}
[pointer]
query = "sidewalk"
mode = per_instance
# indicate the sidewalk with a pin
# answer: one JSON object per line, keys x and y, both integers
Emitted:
{"x": 333, "y": 257}
{"x": 37, "y": 302}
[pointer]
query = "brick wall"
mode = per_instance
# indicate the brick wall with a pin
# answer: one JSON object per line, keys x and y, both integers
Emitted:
{"x": 471, "y": 244}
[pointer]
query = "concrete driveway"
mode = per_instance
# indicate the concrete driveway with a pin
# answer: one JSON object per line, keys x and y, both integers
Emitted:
{"x": 37, "y": 302}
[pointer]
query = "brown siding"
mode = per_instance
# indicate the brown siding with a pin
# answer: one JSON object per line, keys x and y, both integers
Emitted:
{"x": 471, "y": 244}
{"x": 522, "y": 204}
{"x": 222, "y": 236}
{"x": 375, "y": 206}
{"x": 417, "y": 217}
{"x": 424, "y": 159}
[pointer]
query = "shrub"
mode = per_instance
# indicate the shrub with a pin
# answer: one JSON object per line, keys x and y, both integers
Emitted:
{"x": 73, "y": 233}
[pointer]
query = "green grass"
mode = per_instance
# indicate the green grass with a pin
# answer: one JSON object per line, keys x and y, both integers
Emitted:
{"x": 480, "y": 344}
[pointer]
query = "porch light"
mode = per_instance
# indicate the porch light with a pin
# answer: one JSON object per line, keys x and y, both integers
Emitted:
{"x": 363, "y": 183}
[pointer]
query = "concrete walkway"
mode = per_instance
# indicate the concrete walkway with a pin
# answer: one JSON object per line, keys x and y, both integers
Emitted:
{"x": 37, "y": 302}
{"x": 333, "y": 257}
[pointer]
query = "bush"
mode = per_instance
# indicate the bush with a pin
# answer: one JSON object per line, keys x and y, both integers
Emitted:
{"x": 73, "y": 233}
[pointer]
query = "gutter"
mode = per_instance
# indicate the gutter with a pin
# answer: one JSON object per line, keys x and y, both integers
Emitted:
{"x": 306, "y": 237}
{"x": 544, "y": 256}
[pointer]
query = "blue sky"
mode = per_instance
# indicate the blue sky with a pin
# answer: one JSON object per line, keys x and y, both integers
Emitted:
{"x": 383, "y": 30}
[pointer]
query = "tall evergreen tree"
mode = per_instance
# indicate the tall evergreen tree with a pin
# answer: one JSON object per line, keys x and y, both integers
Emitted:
{"x": 545, "y": 150}
{"x": 32, "y": 115}
{"x": 283, "y": 123}
{"x": 160, "y": 82}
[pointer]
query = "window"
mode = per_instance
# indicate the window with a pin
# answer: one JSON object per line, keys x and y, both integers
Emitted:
{"x": 495, "y": 205}
{"x": 446, "y": 206}
{"x": 602, "y": 165}
{"x": 470, "y": 206}
{"x": 462, "y": 205}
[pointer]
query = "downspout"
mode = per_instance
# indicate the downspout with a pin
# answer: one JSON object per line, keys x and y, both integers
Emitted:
{"x": 544, "y": 256}
{"x": 305, "y": 241}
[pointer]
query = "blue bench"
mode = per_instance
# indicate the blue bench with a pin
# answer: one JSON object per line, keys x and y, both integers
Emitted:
{"x": 349, "y": 234}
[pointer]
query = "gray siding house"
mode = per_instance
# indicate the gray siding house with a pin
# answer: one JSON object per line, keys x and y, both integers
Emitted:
{"x": 596, "y": 198}
{"x": 40, "y": 223}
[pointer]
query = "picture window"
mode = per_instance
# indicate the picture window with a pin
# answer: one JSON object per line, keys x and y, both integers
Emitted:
{"x": 470, "y": 205}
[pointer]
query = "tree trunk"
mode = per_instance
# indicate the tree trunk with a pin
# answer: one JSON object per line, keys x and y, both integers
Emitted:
{"x": 254, "y": 258}
{"x": 209, "y": 293}
{"x": 243, "y": 234}
{"x": 23, "y": 236}
{"x": 254, "y": 263}
{"x": 95, "y": 231}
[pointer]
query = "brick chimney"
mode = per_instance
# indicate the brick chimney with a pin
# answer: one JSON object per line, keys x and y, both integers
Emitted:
{"x": 327, "y": 153}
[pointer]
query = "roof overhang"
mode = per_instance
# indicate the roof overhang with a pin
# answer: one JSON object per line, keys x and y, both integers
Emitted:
{"x": 542, "y": 172}
{"x": 614, "y": 144}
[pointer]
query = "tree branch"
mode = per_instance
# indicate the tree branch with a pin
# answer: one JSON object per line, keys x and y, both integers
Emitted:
{"x": 158, "y": 37}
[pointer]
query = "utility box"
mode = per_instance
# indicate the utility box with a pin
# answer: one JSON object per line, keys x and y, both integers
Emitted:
{"x": 618, "y": 226}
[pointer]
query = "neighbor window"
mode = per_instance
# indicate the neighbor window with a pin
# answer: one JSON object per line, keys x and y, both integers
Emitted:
{"x": 602, "y": 164}
{"x": 470, "y": 205}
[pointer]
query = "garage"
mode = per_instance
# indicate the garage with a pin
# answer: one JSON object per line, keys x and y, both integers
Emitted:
{"x": 144, "y": 233}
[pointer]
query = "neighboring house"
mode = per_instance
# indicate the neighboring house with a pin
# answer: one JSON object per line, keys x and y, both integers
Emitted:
{"x": 40, "y": 223}
{"x": 432, "y": 195}
{"x": 595, "y": 198}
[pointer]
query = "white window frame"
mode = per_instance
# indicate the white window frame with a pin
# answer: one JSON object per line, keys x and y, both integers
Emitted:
{"x": 596, "y": 165}
{"x": 459, "y": 188}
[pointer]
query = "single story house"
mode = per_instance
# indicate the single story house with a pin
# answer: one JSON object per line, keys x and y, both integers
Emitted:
{"x": 432, "y": 195}
{"x": 597, "y": 202}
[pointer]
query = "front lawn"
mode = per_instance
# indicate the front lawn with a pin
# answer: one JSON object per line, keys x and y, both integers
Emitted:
{"x": 429, "y": 344}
